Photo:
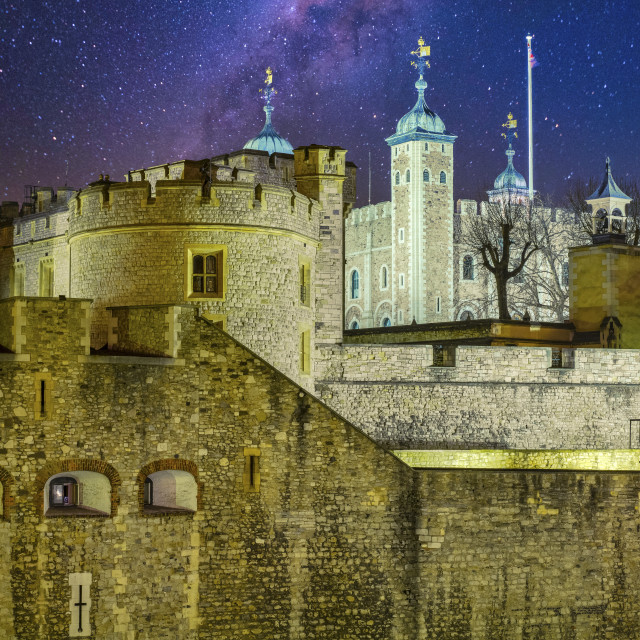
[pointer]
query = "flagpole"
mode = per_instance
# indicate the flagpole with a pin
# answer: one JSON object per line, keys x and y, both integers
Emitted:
{"x": 529, "y": 65}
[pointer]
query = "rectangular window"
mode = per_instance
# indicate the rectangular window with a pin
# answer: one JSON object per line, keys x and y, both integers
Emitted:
{"x": 251, "y": 475}
{"x": 42, "y": 405}
{"x": 400, "y": 316}
{"x": 402, "y": 280}
{"x": 47, "y": 223}
{"x": 46, "y": 278}
{"x": 205, "y": 271}
{"x": 305, "y": 351}
{"x": 438, "y": 308}
{"x": 400, "y": 235}
{"x": 304, "y": 280}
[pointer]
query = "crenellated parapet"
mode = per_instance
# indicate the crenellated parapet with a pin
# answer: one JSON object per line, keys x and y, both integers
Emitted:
{"x": 181, "y": 202}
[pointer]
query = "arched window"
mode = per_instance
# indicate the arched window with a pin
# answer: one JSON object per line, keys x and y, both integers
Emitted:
{"x": 170, "y": 490}
{"x": 443, "y": 177}
{"x": 354, "y": 325}
{"x": 355, "y": 284}
{"x": 386, "y": 322}
{"x": 466, "y": 315}
{"x": 426, "y": 146}
{"x": 467, "y": 268}
{"x": 77, "y": 493}
{"x": 408, "y": 176}
{"x": 384, "y": 278}
{"x": 397, "y": 177}
{"x": 425, "y": 176}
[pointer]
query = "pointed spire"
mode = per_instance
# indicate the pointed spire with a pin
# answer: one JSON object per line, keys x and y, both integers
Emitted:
{"x": 608, "y": 188}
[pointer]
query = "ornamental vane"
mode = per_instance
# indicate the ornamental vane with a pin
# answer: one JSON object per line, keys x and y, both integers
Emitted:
{"x": 268, "y": 92}
{"x": 511, "y": 124}
{"x": 422, "y": 53}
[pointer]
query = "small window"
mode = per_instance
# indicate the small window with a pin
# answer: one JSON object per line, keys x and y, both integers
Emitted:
{"x": 401, "y": 280}
{"x": 425, "y": 176}
{"x": 354, "y": 325}
{"x": 442, "y": 148}
{"x": 400, "y": 316}
{"x": 407, "y": 147}
{"x": 408, "y": 176}
{"x": 355, "y": 284}
{"x": 443, "y": 177}
{"x": 397, "y": 177}
{"x": 438, "y": 305}
{"x": 384, "y": 277}
{"x": 18, "y": 229}
{"x": 467, "y": 268}
{"x": 47, "y": 223}
{"x": 386, "y": 322}
{"x": 305, "y": 351}
{"x": 400, "y": 235}
{"x": 43, "y": 383}
{"x": 251, "y": 475}
{"x": 396, "y": 150}
{"x": 426, "y": 146}
{"x": 305, "y": 281}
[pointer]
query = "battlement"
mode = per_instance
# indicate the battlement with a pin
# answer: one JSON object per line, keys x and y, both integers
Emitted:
{"x": 370, "y": 213}
{"x": 236, "y": 202}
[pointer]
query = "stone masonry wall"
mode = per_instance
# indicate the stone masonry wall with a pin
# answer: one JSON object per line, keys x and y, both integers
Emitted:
{"x": 529, "y": 555}
{"x": 494, "y": 397}
{"x": 292, "y": 560}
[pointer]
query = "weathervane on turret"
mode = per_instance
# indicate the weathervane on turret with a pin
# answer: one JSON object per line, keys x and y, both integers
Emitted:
{"x": 511, "y": 125}
{"x": 269, "y": 91}
{"x": 422, "y": 53}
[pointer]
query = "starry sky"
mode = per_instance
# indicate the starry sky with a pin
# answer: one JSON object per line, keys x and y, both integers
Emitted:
{"x": 105, "y": 86}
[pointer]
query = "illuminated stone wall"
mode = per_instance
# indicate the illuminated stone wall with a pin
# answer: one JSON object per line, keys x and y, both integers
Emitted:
{"x": 494, "y": 397}
{"x": 325, "y": 549}
{"x": 529, "y": 555}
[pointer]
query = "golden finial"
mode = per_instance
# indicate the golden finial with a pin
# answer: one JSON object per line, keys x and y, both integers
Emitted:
{"x": 269, "y": 91}
{"x": 269, "y": 79}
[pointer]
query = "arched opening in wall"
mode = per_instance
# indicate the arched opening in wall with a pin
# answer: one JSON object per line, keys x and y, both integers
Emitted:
{"x": 425, "y": 176}
{"x": 600, "y": 221}
{"x": 170, "y": 491}
{"x": 354, "y": 325}
{"x": 466, "y": 315}
{"x": 355, "y": 284}
{"x": 77, "y": 493}
{"x": 386, "y": 322}
{"x": 384, "y": 277}
{"x": 467, "y": 268}
{"x": 443, "y": 177}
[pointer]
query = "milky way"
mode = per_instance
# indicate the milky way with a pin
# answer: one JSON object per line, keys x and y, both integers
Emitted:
{"x": 89, "y": 87}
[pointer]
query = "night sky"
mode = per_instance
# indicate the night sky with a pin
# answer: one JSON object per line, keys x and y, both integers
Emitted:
{"x": 91, "y": 86}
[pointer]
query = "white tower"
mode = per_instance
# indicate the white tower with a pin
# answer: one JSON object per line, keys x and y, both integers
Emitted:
{"x": 422, "y": 211}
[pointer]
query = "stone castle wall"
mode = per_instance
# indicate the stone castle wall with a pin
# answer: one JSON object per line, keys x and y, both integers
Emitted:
{"x": 494, "y": 397}
{"x": 292, "y": 560}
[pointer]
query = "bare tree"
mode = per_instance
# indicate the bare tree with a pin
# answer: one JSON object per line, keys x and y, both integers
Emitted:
{"x": 503, "y": 237}
{"x": 544, "y": 282}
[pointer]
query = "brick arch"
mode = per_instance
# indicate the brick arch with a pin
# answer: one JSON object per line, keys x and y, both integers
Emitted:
{"x": 7, "y": 495}
{"x": 97, "y": 466}
{"x": 167, "y": 464}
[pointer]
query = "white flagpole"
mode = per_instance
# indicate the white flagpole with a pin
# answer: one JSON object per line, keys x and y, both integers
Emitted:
{"x": 369, "y": 177}
{"x": 530, "y": 120}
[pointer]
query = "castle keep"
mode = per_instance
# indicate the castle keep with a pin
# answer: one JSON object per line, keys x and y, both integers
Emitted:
{"x": 190, "y": 447}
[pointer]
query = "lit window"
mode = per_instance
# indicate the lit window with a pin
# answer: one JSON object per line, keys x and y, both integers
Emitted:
{"x": 355, "y": 284}
{"x": 443, "y": 177}
{"x": 425, "y": 176}
{"x": 205, "y": 272}
{"x": 467, "y": 268}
